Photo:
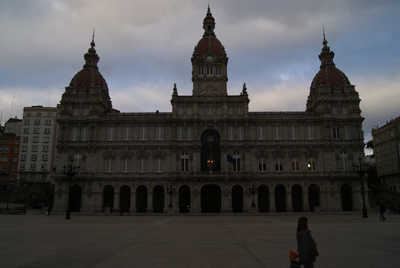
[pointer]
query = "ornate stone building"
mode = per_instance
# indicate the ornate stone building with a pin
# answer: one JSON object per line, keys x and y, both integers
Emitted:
{"x": 215, "y": 154}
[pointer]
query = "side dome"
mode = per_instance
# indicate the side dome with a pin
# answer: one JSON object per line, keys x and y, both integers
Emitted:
{"x": 329, "y": 75}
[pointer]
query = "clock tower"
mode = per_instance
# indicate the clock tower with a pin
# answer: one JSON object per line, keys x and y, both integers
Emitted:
{"x": 209, "y": 62}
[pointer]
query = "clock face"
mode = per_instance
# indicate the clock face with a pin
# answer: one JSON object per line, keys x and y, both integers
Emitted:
{"x": 209, "y": 58}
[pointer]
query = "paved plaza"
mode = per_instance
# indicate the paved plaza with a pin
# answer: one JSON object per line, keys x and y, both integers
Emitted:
{"x": 264, "y": 240}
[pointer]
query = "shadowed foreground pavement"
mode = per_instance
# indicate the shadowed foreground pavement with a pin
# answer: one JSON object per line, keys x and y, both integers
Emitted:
{"x": 344, "y": 240}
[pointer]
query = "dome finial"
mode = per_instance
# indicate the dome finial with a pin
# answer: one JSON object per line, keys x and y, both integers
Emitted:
{"x": 323, "y": 32}
{"x": 92, "y": 43}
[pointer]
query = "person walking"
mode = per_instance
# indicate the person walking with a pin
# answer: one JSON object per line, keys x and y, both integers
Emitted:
{"x": 305, "y": 244}
{"x": 382, "y": 209}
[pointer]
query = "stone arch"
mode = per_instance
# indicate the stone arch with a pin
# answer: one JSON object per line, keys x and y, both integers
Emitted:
{"x": 184, "y": 199}
{"x": 297, "y": 198}
{"x": 108, "y": 198}
{"x": 313, "y": 197}
{"x": 263, "y": 198}
{"x": 158, "y": 199}
{"x": 280, "y": 198}
{"x": 346, "y": 196}
{"x": 124, "y": 198}
{"x": 237, "y": 199}
{"x": 141, "y": 199}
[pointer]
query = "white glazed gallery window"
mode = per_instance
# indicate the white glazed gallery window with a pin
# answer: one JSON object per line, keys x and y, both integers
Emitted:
{"x": 231, "y": 133}
{"x": 126, "y": 133}
{"x": 277, "y": 132}
{"x": 179, "y": 133}
{"x": 85, "y": 111}
{"x": 309, "y": 132}
{"x": 125, "y": 164}
{"x": 75, "y": 111}
{"x": 209, "y": 70}
{"x": 142, "y": 164}
{"x": 261, "y": 133}
{"x": 159, "y": 133}
{"x": 143, "y": 133}
{"x": 311, "y": 164}
{"x": 109, "y": 165}
{"x": 295, "y": 164}
{"x": 189, "y": 110}
{"x": 279, "y": 164}
{"x": 262, "y": 165}
{"x": 184, "y": 161}
{"x": 201, "y": 71}
{"x": 74, "y": 133}
{"x": 111, "y": 133}
{"x": 189, "y": 133}
{"x": 218, "y": 71}
{"x": 343, "y": 109}
{"x": 239, "y": 133}
{"x": 334, "y": 110}
{"x": 210, "y": 110}
{"x": 84, "y": 133}
{"x": 293, "y": 133}
{"x": 159, "y": 165}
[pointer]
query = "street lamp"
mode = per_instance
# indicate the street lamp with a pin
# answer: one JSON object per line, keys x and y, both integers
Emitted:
{"x": 253, "y": 191}
{"x": 210, "y": 140}
{"x": 361, "y": 169}
{"x": 70, "y": 171}
{"x": 170, "y": 190}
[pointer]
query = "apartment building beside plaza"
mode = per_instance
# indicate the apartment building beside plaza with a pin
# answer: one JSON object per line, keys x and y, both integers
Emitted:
{"x": 210, "y": 149}
{"x": 387, "y": 154}
{"x": 38, "y": 134}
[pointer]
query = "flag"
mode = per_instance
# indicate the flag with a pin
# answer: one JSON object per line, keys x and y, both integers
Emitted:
{"x": 230, "y": 159}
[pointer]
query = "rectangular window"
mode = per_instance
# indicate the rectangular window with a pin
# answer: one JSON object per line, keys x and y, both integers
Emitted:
{"x": 159, "y": 133}
{"x": 143, "y": 133}
{"x": 3, "y": 168}
{"x": 14, "y": 159}
{"x": 23, "y": 157}
{"x": 46, "y": 139}
{"x": 311, "y": 164}
{"x": 219, "y": 110}
{"x": 47, "y": 122}
{"x": 22, "y": 166}
{"x": 45, "y": 148}
{"x": 44, "y": 166}
{"x": 5, "y": 150}
{"x": 109, "y": 165}
{"x": 75, "y": 111}
{"x": 189, "y": 135}
{"x": 26, "y": 130}
{"x": 34, "y": 157}
{"x": 34, "y": 148}
{"x": 15, "y": 150}
{"x": 47, "y": 130}
{"x": 277, "y": 132}
{"x": 209, "y": 71}
{"x": 201, "y": 71}
{"x": 240, "y": 110}
{"x": 84, "y": 133}
{"x": 334, "y": 110}
{"x": 179, "y": 133}
{"x": 262, "y": 165}
{"x": 180, "y": 110}
{"x": 209, "y": 110}
{"x": 239, "y": 133}
{"x": 45, "y": 157}
{"x": 142, "y": 165}
{"x": 336, "y": 132}
{"x": 74, "y": 133}
{"x": 343, "y": 109}
{"x": 218, "y": 71}
{"x": 189, "y": 110}
{"x": 27, "y": 122}
{"x": 111, "y": 133}
{"x": 346, "y": 132}
{"x": 127, "y": 133}
{"x": 37, "y": 121}
{"x": 231, "y": 110}
{"x": 35, "y": 139}
{"x": 231, "y": 134}
{"x": 85, "y": 111}
{"x": 24, "y": 139}
{"x": 33, "y": 166}
{"x": 279, "y": 164}
{"x": 293, "y": 133}
{"x": 36, "y": 130}
{"x": 125, "y": 165}
{"x": 5, "y": 158}
{"x": 295, "y": 164}
{"x": 159, "y": 165}
{"x": 201, "y": 110}
{"x": 261, "y": 133}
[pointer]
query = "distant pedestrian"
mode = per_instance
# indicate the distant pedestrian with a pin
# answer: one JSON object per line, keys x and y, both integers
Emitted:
{"x": 382, "y": 210}
{"x": 306, "y": 245}
{"x": 49, "y": 209}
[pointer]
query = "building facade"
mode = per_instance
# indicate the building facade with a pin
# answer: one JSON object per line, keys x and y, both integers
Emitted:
{"x": 387, "y": 154}
{"x": 210, "y": 154}
{"x": 38, "y": 134}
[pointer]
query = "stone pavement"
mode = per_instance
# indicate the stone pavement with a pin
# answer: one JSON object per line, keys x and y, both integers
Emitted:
{"x": 344, "y": 240}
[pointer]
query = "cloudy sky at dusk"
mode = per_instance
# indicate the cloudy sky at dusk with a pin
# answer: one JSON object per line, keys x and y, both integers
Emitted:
{"x": 145, "y": 47}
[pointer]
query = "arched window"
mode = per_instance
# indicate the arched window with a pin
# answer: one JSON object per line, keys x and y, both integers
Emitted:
{"x": 142, "y": 164}
{"x": 295, "y": 164}
{"x": 184, "y": 161}
{"x": 236, "y": 165}
{"x": 78, "y": 159}
{"x": 159, "y": 164}
{"x": 125, "y": 164}
{"x": 279, "y": 164}
{"x": 311, "y": 164}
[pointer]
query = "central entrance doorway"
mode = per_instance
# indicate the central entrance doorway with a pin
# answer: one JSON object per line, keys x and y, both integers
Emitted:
{"x": 211, "y": 199}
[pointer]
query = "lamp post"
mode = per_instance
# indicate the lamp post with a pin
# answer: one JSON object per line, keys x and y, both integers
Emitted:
{"x": 170, "y": 190}
{"x": 361, "y": 169}
{"x": 70, "y": 171}
{"x": 253, "y": 191}
{"x": 210, "y": 140}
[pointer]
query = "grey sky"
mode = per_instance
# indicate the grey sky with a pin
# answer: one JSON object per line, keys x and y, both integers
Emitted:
{"x": 145, "y": 47}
